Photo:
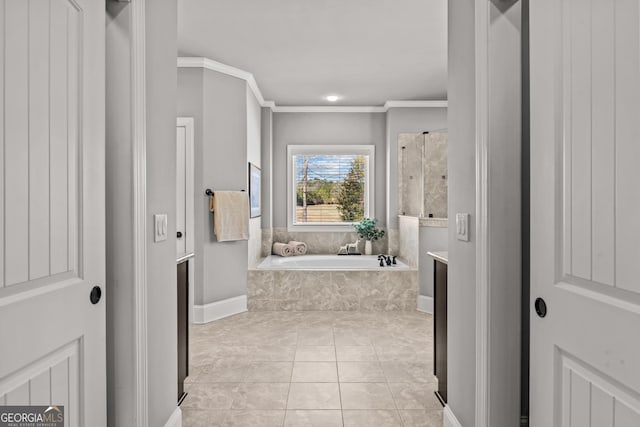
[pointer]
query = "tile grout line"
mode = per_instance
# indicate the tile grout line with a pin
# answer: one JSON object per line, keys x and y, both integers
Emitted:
{"x": 335, "y": 351}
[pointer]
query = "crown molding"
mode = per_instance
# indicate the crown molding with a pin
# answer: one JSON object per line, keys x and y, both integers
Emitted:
{"x": 328, "y": 109}
{"x": 210, "y": 64}
{"x": 416, "y": 104}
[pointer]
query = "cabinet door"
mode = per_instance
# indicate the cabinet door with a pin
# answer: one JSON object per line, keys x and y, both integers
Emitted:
{"x": 440, "y": 325}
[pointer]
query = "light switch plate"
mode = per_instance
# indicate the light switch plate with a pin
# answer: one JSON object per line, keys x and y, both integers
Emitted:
{"x": 462, "y": 226}
{"x": 160, "y": 221}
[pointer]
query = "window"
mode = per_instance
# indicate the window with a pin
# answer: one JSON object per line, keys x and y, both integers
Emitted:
{"x": 330, "y": 187}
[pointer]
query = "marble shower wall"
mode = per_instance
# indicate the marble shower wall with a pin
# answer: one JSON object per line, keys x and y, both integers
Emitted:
{"x": 410, "y": 180}
{"x": 435, "y": 175}
{"x": 422, "y": 174}
{"x": 409, "y": 240}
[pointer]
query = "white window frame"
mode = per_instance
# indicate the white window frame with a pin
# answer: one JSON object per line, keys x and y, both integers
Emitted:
{"x": 369, "y": 184}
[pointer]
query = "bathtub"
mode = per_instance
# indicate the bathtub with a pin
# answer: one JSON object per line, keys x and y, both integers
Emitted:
{"x": 331, "y": 283}
{"x": 328, "y": 262}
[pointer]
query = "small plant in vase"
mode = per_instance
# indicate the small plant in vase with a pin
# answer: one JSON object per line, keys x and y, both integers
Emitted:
{"x": 367, "y": 230}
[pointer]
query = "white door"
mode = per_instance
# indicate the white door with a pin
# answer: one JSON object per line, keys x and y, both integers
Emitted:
{"x": 184, "y": 187}
{"x": 585, "y": 212}
{"x": 52, "y": 338}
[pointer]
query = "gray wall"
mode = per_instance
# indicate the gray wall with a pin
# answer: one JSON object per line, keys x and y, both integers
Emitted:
{"x": 326, "y": 128}
{"x": 405, "y": 120}
{"x": 161, "y": 46}
{"x": 462, "y": 198}
{"x": 254, "y": 155}
{"x": 218, "y": 103}
{"x": 267, "y": 167}
{"x": 161, "y": 78}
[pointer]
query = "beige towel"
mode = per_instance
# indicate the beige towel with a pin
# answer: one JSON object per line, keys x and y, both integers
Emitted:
{"x": 299, "y": 248}
{"x": 231, "y": 215}
{"x": 283, "y": 249}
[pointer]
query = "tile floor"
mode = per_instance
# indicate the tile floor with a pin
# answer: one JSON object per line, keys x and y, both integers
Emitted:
{"x": 320, "y": 369}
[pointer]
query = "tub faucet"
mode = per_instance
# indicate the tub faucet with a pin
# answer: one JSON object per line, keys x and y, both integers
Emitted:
{"x": 385, "y": 259}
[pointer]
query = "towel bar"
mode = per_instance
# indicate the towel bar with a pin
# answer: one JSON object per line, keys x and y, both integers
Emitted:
{"x": 209, "y": 192}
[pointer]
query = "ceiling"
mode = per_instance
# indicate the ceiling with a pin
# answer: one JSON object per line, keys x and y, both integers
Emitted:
{"x": 299, "y": 51}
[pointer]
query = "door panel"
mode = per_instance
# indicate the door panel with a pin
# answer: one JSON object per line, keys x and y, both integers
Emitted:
{"x": 185, "y": 202}
{"x": 181, "y": 190}
{"x": 52, "y": 220}
{"x": 585, "y": 107}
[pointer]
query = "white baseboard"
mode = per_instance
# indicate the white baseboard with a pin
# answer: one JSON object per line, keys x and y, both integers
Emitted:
{"x": 175, "y": 420}
{"x": 425, "y": 304}
{"x": 450, "y": 420}
{"x": 219, "y": 309}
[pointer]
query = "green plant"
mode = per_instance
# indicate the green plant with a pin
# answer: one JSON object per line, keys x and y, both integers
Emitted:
{"x": 367, "y": 229}
{"x": 351, "y": 195}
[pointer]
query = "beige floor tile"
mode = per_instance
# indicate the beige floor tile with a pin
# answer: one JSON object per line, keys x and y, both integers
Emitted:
{"x": 408, "y": 372}
{"x": 269, "y": 372}
{"x": 202, "y": 418}
{"x": 372, "y": 418}
{"x": 313, "y": 418}
{"x": 194, "y": 372}
{"x": 356, "y": 353}
{"x": 273, "y": 353}
{"x": 262, "y": 347}
{"x": 261, "y": 396}
{"x": 404, "y": 353}
{"x": 210, "y": 396}
{"x": 314, "y": 396}
{"x": 314, "y": 372}
{"x": 360, "y": 372}
{"x": 421, "y": 418}
{"x": 257, "y": 418}
{"x": 315, "y": 337}
{"x": 366, "y": 396}
{"x": 223, "y": 371}
{"x": 414, "y": 396}
{"x": 351, "y": 338}
{"x": 315, "y": 354}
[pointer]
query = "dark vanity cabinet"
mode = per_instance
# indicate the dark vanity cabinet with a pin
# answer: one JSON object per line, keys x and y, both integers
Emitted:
{"x": 183, "y": 326}
{"x": 440, "y": 328}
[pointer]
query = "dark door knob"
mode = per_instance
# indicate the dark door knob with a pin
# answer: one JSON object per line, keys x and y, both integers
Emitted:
{"x": 179, "y": 234}
{"x": 541, "y": 307}
{"x": 95, "y": 295}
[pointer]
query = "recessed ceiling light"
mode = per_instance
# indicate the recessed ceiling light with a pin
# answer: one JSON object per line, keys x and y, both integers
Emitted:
{"x": 332, "y": 98}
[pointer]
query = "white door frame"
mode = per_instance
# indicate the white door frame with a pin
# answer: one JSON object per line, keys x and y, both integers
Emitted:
{"x": 497, "y": 271}
{"x": 139, "y": 138}
{"x": 483, "y": 255}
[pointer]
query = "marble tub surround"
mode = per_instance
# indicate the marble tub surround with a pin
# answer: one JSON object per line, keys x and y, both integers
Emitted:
{"x": 312, "y": 368}
{"x": 327, "y": 242}
{"x": 296, "y": 290}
